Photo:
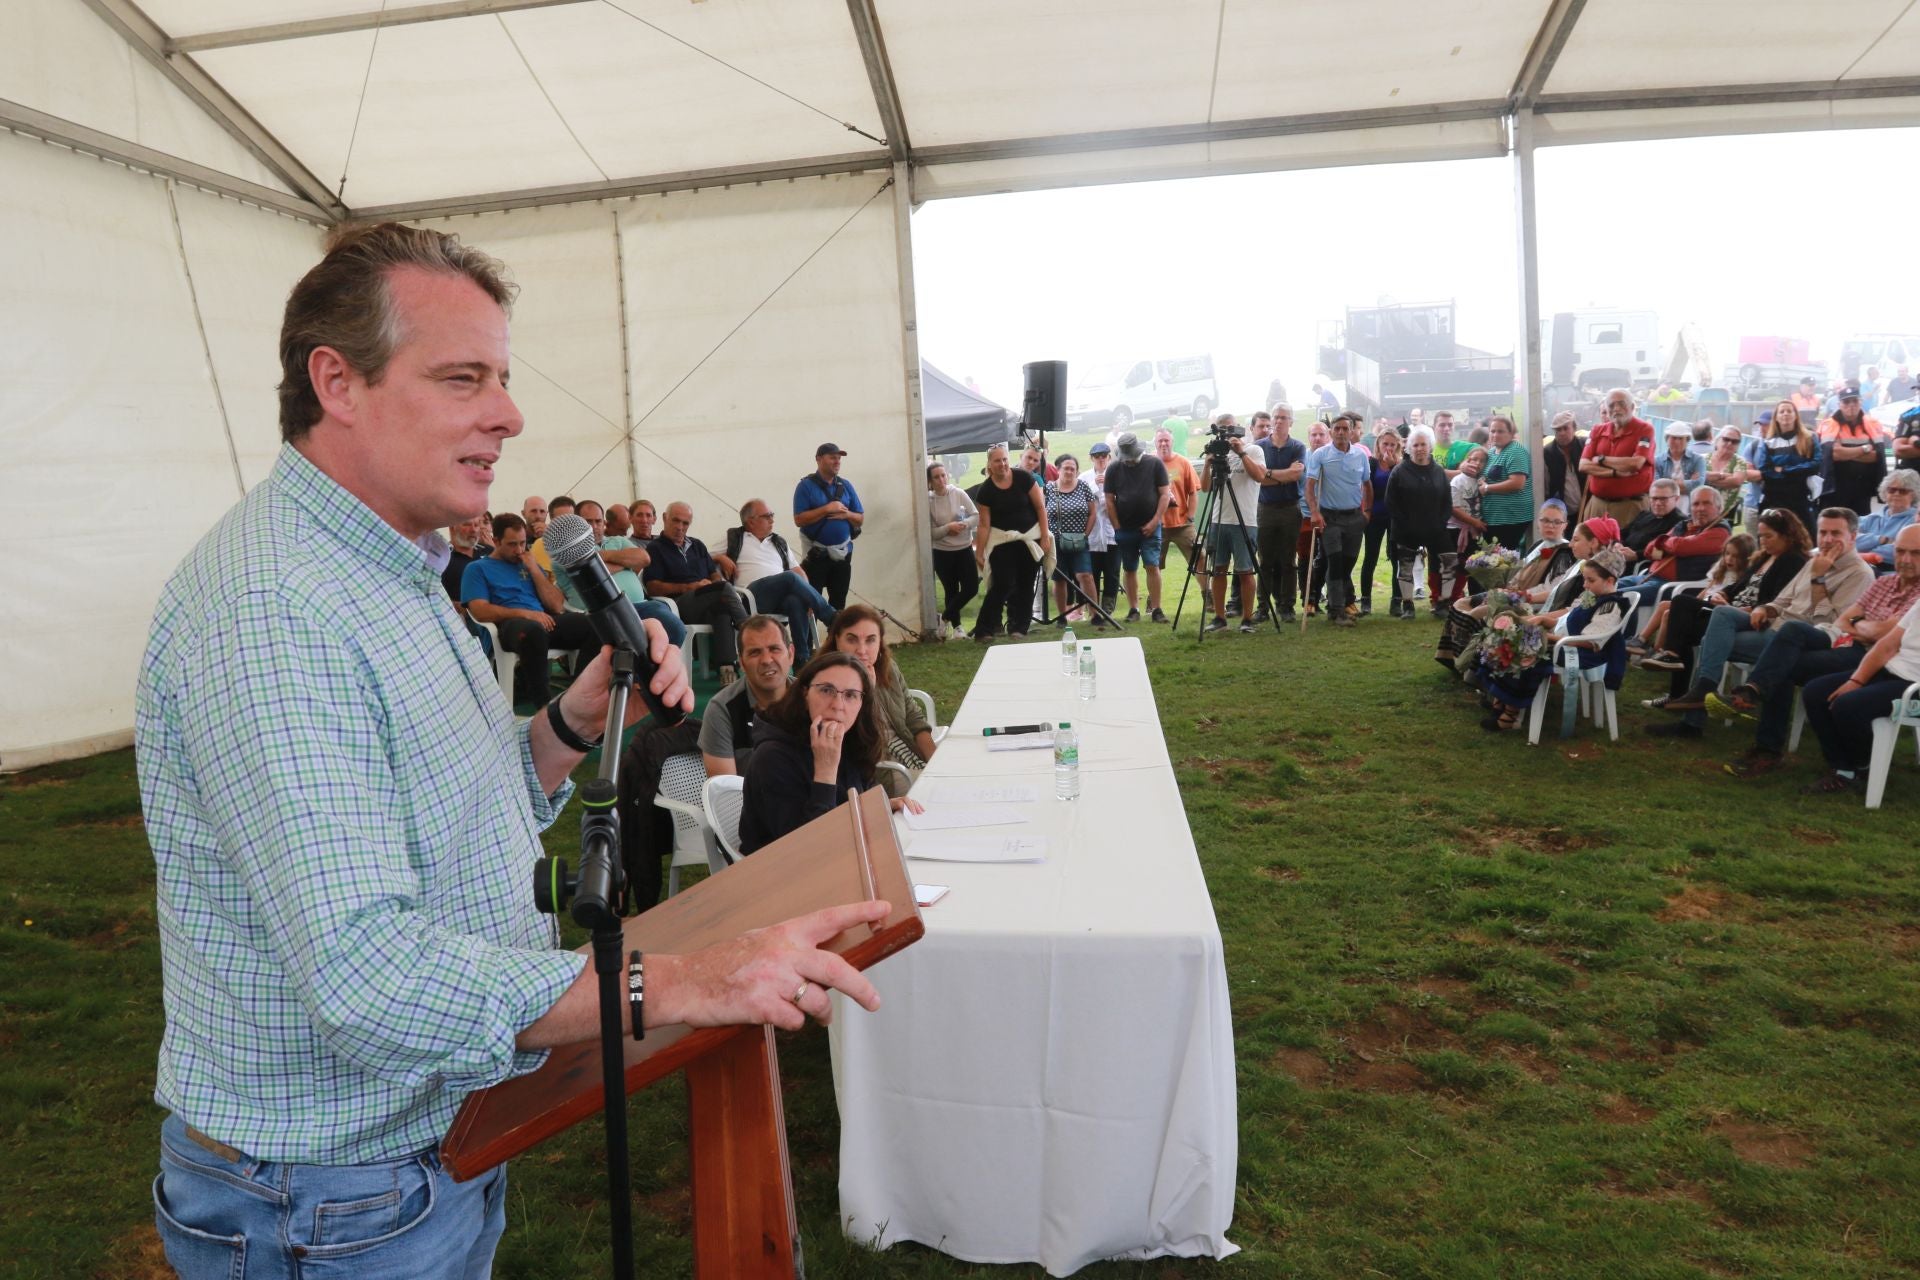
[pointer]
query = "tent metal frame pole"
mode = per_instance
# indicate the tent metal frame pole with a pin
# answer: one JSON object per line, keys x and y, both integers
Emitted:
{"x": 886, "y": 93}
{"x": 916, "y": 421}
{"x": 1545, "y": 51}
{"x": 398, "y": 16}
{"x": 626, "y": 360}
{"x": 1731, "y": 95}
{"x": 1219, "y": 131}
{"x": 26, "y": 121}
{"x": 186, "y": 75}
{"x": 1527, "y": 278}
{"x": 658, "y": 184}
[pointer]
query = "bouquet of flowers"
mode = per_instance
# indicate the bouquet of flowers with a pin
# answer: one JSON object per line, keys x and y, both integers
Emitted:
{"x": 1511, "y": 646}
{"x": 1514, "y": 645}
{"x": 1491, "y": 564}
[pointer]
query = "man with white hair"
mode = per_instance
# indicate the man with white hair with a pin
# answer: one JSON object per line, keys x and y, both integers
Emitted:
{"x": 683, "y": 569}
{"x": 1618, "y": 462}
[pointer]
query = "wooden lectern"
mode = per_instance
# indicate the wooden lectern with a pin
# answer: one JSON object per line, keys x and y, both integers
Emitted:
{"x": 743, "y": 1215}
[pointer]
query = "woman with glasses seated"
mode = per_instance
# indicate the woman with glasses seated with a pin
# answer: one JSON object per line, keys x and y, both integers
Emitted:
{"x": 819, "y": 740}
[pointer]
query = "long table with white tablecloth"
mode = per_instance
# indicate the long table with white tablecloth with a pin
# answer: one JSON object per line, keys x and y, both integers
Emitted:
{"x": 1051, "y": 1077}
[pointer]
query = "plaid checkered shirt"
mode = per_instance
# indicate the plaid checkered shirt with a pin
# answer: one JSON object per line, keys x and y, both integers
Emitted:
{"x": 344, "y": 819}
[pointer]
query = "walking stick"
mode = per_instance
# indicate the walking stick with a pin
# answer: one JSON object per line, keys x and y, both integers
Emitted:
{"x": 1313, "y": 538}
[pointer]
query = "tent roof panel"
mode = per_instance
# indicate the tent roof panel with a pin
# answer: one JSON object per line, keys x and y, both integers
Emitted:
{"x": 1897, "y": 53}
{"x": 1017, "y": 68}
{"x": 1656, "y": 44}
{"x": 553, "y": 96}
{"x": 57, "y": 57}
{"x": 1271, "y": 56}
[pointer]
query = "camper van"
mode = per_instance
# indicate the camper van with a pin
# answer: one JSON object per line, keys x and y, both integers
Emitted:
{"x": 1602, "y": 348}
{"x": 1115, "y": 393}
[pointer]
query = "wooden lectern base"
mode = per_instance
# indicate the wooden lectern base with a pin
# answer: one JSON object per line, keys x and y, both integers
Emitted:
{"x": 743, "y": 1215}
{"x": 744, "y": 1222}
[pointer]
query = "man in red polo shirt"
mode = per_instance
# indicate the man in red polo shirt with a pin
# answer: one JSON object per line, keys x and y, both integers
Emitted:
{"x": 1618, "y": 462}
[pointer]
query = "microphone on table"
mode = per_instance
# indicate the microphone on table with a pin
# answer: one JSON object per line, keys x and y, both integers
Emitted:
{"x": 570, "y": 546}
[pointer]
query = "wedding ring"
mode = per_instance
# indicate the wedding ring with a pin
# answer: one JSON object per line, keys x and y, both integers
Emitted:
{"x": 800, "y": 992}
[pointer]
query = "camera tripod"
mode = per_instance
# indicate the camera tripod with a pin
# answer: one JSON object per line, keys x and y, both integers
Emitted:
{"x": 1220, "y": 492}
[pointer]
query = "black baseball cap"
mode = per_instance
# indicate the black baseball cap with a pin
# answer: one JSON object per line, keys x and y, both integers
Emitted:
{"x": 828, "y": 448}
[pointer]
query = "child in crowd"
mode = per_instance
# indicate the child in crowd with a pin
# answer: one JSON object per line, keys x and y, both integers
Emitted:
{"x": 1729, "y": 569}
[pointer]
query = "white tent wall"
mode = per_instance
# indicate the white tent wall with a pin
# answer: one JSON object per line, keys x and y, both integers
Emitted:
{"x": 111, "y": 422}
{"x": 567, "y": 376}
{"x": 764, "y": 320}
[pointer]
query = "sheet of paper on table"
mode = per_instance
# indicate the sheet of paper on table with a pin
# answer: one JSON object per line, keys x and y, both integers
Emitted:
{"x": 1019, "y": 741}
{"x": 942, "y": 817}
{"x": 955, "y": 846}
{"x": 981, "y": 793}
{"x": 925, "y": 895}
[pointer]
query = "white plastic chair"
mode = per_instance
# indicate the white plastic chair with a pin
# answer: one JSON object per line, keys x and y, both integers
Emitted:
{"x": 683, "y": 780}
{"x": 722, "y": 799}
{"x": 925, "y": 700}
{"x": 1588, "y": 684}
{"x": 506, "y": 661}
{"x": 1886, "y": 736}
{"x": 699, "y": 656}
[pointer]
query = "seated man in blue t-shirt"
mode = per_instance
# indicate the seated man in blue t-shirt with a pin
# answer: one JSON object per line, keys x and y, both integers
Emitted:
{"x": 625, "y": 559}
{"x": 505, "y": 589}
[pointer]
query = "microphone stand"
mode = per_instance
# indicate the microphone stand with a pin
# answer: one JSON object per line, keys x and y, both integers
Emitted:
{"x": 598, "y": 898}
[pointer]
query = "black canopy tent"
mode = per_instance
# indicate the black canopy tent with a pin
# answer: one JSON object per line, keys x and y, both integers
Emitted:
{"x": 959, "y": 419}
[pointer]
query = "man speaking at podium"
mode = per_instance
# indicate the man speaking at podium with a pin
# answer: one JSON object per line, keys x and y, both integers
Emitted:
{"x": 344, "y": 815}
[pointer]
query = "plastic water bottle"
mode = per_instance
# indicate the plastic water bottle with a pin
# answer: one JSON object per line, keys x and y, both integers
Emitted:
{"x": 1069, "y": 651}
{"x": 1066, "y": 763}
{"x": 1086, "y": 672}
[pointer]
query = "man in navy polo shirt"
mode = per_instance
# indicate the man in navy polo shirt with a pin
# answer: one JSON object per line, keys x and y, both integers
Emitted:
{"x": 528, "y": 610}
{"x": 681, "y": 568}
{"x": 829, "y": 514}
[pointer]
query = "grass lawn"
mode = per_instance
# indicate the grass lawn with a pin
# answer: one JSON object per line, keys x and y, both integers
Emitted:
{"x": 1585, "y": 1009}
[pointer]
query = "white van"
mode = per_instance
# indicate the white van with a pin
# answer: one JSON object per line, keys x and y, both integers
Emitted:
{"x": 1115, "y": 393}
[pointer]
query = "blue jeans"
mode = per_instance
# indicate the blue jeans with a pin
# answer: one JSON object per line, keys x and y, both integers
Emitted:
{"x": 1643, "y": 587}
{"x": 1730, "y": 637}
{"x": 669, "y": 620}
{"x": 1135, "y": 547}
{"x": 261, "y": 1220}
{"x": 792, "y": 595}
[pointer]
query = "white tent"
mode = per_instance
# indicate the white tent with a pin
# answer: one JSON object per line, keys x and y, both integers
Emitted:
{"x": 707, "y": 204}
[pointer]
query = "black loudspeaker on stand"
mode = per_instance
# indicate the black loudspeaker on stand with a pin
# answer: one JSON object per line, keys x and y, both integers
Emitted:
{"x": 1043, "y": 408}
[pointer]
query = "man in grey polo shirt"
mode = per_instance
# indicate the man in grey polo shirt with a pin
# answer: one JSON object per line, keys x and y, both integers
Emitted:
{"x": 766, "y": 665}
{"x": 1340, "y": 501}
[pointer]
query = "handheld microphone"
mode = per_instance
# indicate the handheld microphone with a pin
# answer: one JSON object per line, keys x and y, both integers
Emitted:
{"x": 571, "y": 547}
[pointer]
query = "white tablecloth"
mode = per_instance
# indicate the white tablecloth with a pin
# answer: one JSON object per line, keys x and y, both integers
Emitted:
{"x": 1051, "y": 1077}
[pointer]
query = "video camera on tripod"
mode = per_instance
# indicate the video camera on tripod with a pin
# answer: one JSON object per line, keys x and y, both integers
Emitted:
{"x": 1221, "y": 436}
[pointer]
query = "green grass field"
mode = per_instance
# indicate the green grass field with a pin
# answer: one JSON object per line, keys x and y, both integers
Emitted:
{"x": 1584, "y": 1010}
